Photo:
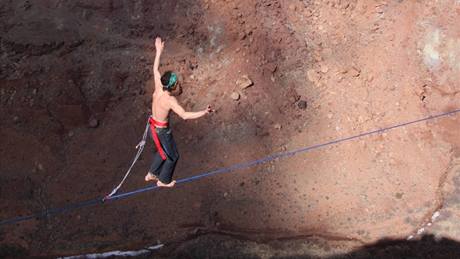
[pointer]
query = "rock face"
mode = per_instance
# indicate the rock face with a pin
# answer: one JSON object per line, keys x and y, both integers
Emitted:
{"x": 70, "y": 116}
{"x": 76, "y": 88}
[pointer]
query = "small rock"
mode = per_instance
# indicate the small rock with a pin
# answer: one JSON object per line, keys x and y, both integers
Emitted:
{"x": 339, "y": 79}
{"x": 324, "y": 69}
{"x": 40, "y": 167}
{"x": 71, "y": 134}
{"x": 435, "y": 215}
{"x": 420, "y": 231}
{"x": 295, "y": 98}
{"x": 370, "y": 78}
{"x": 93, "y": 123}
{"x": 272, "y": 67}
{"x": 225, "y": 194}
{"x": 244, "y": 82}
{"x": 318, "y": 57}
{"x": 327, "y": 52}
{"x": 277, "y": 126}
{"x": 16, "y": 119}
{"x": 313, "y": 76}
{"x": 235, "y": 96}
{"x": 302, "y": 104}
{"x": 192, "y": 65}
{"x": 27, "y": 5}
{"x": 355, "y": 72}
{"x": 329, "y": 115}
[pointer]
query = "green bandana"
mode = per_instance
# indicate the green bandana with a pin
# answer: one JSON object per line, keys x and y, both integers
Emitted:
{"x": 172, "y": 81}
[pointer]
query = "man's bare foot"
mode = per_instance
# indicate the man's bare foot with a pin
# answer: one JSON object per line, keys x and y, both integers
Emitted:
{"x": 150, "y": 177}
{"x": 169, "y": 185}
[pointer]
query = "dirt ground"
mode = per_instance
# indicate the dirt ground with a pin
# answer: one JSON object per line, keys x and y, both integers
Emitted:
{"x": 75, "y": 92}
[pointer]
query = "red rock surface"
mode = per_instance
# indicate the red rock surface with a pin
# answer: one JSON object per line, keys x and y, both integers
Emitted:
{"x": 75, "y": 91}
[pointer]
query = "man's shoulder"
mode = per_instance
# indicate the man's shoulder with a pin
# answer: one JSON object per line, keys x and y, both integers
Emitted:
{"x": 171, "y": 101}
{"x": 171, "y": 98}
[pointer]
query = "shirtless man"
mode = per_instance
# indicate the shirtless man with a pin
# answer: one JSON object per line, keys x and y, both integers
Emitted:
{"x": 165, "y": 159}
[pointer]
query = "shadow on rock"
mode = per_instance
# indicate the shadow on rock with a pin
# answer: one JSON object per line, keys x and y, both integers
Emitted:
{"x": 427, "y": 247}
{"x": 218, "y": 246}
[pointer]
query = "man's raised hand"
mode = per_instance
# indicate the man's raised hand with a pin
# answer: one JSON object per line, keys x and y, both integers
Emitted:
{"x": 159, "y": 44}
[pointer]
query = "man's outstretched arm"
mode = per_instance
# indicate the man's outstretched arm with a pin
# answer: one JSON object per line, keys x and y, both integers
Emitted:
{"x": 175, "y": 106}
{"x": 159, "y": 45}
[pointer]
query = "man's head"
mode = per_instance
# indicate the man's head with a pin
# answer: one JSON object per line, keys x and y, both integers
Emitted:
{"x": 169, "y": 81}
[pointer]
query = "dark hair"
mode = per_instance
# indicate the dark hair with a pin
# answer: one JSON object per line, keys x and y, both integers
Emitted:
{"x": 165, "y": 80}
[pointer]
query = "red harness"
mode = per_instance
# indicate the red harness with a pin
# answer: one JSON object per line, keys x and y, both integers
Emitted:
{"x": 153, "y": 123}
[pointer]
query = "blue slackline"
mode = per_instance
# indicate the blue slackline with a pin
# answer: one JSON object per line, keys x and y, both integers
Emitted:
{"x": 55, "y": 211}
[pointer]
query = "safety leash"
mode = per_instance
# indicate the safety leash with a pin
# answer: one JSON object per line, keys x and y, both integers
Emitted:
{"x": 140, "y": 148}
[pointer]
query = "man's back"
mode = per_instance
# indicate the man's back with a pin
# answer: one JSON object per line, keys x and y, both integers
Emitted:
{"x": 161, "y": 106}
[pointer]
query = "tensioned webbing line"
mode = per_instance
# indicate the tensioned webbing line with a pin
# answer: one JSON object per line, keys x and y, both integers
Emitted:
{"x": 54, "y": 211}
